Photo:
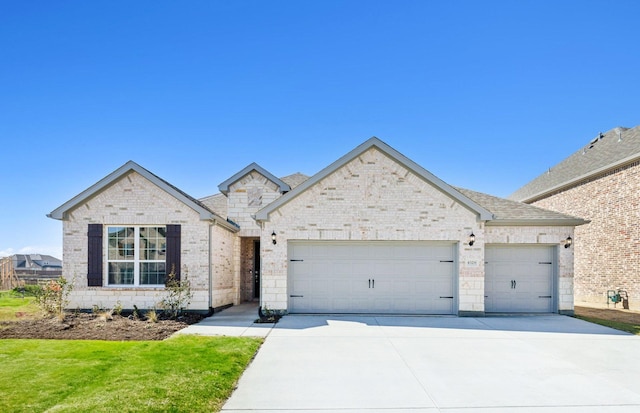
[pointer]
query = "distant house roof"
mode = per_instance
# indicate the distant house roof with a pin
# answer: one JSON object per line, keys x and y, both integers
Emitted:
{"x": 508, "y": 212}
{"x": 35, "y": 262}
{"x": 196, "y": 205}
{"x": 483, "y": 214}
{"x": 282, "y": 186}
{"x": 613, "y": 149}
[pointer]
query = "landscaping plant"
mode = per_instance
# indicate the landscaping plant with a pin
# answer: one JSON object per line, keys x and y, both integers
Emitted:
{"x": 53, "y": 298}
{"x": 178, "y": 295}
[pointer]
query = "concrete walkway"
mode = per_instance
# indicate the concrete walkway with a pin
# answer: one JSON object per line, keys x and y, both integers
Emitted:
{"x": 347, "y": 364}
{"x": 233, "y": 321}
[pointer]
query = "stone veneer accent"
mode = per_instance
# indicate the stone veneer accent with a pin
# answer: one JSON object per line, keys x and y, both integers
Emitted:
{"x": 607, "y": 251}
{"x": 133, "y": 200}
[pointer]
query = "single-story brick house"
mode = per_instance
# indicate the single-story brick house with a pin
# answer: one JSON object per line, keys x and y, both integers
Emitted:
{"x": 373, "y": 232}
{"x": 601, "y": 183}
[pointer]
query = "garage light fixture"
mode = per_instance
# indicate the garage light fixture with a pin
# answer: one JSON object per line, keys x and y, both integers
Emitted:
{"x": 568, "y": 242}
{"x": 472, "y": 239}
{"x": 273, "y": 237}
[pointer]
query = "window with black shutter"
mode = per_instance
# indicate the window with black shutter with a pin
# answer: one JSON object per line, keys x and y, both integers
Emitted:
{"x": 94, "y": 259}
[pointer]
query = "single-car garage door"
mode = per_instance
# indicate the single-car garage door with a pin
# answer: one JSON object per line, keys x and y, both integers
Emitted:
{"x": 519, "y": 279}
{"x": 393, "y": 277}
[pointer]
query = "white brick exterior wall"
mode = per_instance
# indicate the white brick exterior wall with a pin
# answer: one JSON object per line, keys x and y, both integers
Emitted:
{"x": 133, "y": 200}
{"x": 374, "y": 198}
{"x": 246, "y": 196}
{"x": 370, "y": 198}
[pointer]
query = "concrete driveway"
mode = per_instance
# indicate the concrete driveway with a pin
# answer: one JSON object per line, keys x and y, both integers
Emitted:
{"x": 441, "y": 364}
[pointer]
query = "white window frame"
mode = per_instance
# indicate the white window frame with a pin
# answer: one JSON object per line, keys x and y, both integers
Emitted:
{"x": 136, "y": 258}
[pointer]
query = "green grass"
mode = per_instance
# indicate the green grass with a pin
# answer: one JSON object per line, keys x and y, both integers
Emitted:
{"x": 618, "y": 325}
{"x": 181, "y": 374}
{"x": 12, "y": 304}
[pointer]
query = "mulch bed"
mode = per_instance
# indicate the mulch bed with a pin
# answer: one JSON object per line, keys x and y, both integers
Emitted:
{"x": 83, "y": 326}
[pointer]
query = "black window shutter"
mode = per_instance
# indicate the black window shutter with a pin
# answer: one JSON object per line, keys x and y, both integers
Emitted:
{"x": 173, "y": 250}
{"x": 94, "y": 260}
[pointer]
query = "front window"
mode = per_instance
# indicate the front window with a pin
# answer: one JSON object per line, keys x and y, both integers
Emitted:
{"x": 136, "y": 255}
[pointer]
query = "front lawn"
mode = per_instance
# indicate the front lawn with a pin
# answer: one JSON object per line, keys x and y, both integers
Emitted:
{"x": 618, "y": 325}
{"x": 15, "y": 306}
{"x": 182, "y": 374}
{"x": 625, "y": 320}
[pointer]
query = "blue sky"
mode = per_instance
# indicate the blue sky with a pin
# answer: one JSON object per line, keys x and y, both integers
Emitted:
{"x": 485, "y": 95}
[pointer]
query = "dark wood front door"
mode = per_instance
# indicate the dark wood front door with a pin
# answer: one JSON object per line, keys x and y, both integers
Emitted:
{"x": 256, "y": 269}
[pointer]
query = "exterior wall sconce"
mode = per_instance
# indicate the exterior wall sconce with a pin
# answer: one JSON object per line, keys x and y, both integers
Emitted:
{"x": 472, "y": 239}
{"x": 273, "y": 237}
{"x": 568, "y": 242}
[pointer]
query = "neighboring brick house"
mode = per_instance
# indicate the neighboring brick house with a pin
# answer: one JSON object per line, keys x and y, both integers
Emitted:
{"x": 373, "y": 232}
{"x": 601, "y": 183}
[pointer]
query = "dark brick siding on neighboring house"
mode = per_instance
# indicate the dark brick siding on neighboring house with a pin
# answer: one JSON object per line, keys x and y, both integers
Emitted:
{"x": 607, "y": 251}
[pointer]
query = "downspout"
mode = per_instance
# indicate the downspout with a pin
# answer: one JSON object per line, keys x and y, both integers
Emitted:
{"x": 210, "y": 289}
{"x": 260, "y": 269}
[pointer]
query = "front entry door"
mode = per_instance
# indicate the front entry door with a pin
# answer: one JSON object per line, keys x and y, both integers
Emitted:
{"x": 256, "y": 269}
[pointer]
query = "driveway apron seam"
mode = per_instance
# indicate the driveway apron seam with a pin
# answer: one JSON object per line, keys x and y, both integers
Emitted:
{"x": 426, "y": 391}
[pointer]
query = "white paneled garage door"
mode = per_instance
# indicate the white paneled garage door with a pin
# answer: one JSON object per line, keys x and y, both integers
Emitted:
{"x": 519, "y": 279}
{"x": 372, "y": 277}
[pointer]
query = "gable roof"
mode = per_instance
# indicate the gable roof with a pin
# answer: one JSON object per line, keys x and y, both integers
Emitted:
{"x": 199, "y": 207}
{"x": 218, "y": 202}
{"x": 483, "y": 214}
{"x": 224, "y": 187}
{"x": 512, "y": 213}
{"x": 616, "y": 148}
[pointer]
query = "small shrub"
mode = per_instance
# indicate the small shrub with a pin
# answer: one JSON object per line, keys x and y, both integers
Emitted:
{"x": 178, "y": 296}
{"x": 53, "y": 298}
{"x": 135, "y": 315}
{"x": 118, "y": 308}
{"x": 152, "y": 316}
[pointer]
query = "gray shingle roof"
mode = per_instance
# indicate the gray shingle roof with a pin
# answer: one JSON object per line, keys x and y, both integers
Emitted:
{"x": 35, "y": 262}
{"x": 217, "y": 203}
{"x": 508, "y": 212}
{"x": 294, "y": 179}
{"x": 607, "y": 151}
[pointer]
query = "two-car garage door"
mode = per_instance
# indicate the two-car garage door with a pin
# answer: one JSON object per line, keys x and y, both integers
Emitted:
{"x": 392, "y": 277}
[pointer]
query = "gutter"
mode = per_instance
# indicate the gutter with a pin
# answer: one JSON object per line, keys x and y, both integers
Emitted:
{"x": 538, "y": 222}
